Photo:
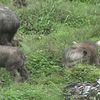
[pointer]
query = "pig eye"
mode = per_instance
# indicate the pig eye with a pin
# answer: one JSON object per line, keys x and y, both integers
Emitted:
{"x": 85, "y": 53}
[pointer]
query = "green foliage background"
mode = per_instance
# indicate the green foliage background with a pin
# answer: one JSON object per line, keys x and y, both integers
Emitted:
{"x": 47, "y": 27}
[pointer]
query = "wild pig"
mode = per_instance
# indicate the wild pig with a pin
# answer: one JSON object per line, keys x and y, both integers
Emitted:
{"x": 13, "y": 59}
{"x": 9, "y": 25}
{"x": 85, "y": 52}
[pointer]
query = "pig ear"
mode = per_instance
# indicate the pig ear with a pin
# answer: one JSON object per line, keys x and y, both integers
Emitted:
{"x": 84, "y": 52}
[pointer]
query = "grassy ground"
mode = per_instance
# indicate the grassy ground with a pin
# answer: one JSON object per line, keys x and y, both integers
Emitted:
{"x": 47, "y": 27}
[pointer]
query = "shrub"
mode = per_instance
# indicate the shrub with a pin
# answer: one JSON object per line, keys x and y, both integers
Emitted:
{"x": 36, "y": 19}
{"x": 85, "y": 73}
{"x": 39, "y": 64}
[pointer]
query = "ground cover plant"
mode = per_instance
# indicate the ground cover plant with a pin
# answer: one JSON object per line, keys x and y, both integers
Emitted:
{"x": 47, "y": 27}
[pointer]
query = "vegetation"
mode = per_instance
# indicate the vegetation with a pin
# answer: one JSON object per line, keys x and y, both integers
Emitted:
{"x": 47, "y": 27}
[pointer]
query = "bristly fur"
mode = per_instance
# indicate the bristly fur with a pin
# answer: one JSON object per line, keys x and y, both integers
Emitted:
{"x": 9, "y": 25}
{"x": 85, "y": 52}
{"x": 13, "y": 60}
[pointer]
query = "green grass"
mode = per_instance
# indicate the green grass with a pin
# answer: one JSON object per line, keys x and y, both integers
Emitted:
{"x": 31, "y": 92}
{"x": 47, "y": 27}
